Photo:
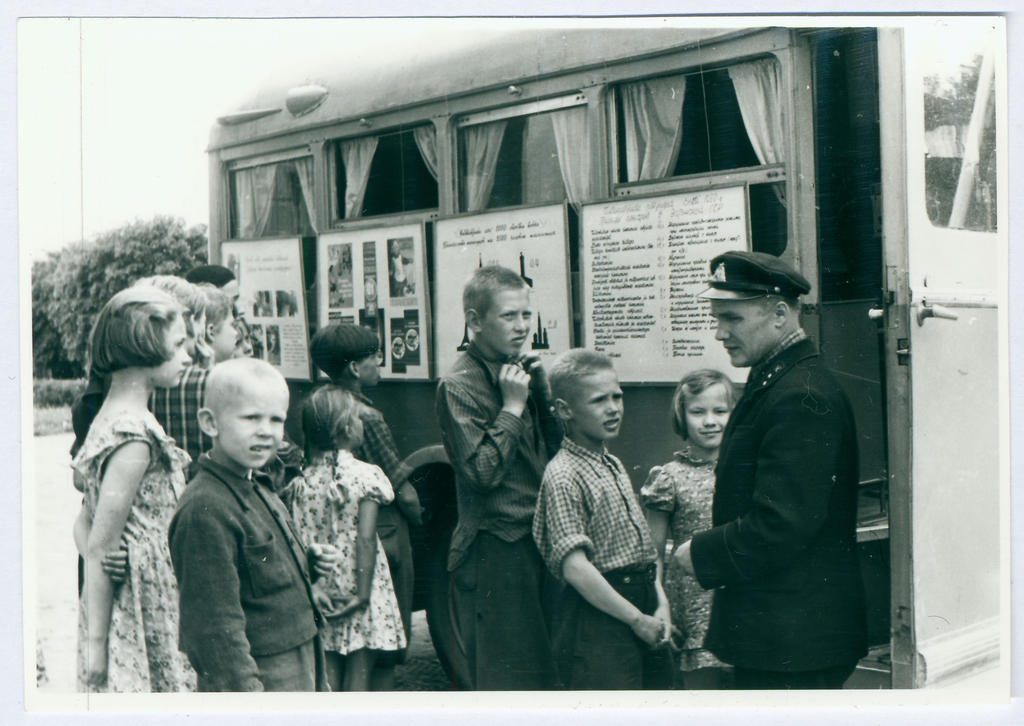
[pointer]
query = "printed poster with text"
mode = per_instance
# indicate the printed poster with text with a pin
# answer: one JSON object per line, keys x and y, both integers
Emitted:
{"x": 644, "y": 261}
{"x": 273, "y": 298}
{"x": 531, "y": 241}
{"x": 376, "y": 278}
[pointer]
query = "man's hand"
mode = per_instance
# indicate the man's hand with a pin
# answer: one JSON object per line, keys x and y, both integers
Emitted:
{"x": 324, "y": 558}
{"x": 684, "y": 559}
{"x": 514, "y": 384}
{"x": 115, "y": 564}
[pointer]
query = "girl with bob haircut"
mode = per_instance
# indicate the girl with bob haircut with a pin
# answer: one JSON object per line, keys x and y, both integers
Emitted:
{"x": 677, "y": 498}
{"x": 132, "y": 475}
{"x": 335, "y": 502}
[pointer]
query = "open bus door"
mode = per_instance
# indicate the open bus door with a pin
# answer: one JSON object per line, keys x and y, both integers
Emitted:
{"x": 944, "y": 230}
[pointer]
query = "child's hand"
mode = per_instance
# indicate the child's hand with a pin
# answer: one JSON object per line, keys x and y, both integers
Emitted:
{"x": 115, "y": 564}
{"x": 648, "y": 628}
{"x": 409, "y": 504}
{"x": 355, "y": 604}
{"x": 96, "y": 670}
{"x": 531, "y": 363}
{"x": 323, "y": 602}
{"x": 324, "y": 558}
{"x": 514, "y": 384}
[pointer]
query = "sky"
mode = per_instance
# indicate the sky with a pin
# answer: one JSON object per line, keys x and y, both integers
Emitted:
{"x": 114, "y": 114}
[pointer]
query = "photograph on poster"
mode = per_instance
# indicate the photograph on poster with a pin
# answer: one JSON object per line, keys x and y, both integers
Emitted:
{"x": 376, "y": 276}
{"x": 271, "y": 292}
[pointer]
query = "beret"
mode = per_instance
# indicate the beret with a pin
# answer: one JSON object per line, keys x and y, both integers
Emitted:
{"x": 335, "y": 346}
{"x": 216, "y": 275}
{"x": 739, "y": 275}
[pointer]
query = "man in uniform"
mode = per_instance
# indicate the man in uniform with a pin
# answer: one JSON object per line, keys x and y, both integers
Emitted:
{"x": 788, "y": 608}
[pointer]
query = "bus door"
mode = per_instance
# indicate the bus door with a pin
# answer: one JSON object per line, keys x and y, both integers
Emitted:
{"x": 943, "y": 321}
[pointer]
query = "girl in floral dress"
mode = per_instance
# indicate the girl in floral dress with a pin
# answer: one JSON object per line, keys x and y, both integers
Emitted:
{"x": 335, "y": 502}
{"x": 677, "y": 499}
{"x": 132, "y": 475}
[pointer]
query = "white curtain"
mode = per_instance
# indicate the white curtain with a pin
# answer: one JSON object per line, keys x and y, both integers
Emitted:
{"x": 481, "y": 146}
{"x": 254, "y": 196}
{"x": 758, "y": 85}
{"x": 304, "y": 170}
{"x": 426, "y": 142}
{"x": 357, "y": 155}
{"x": 653, "y": 115}
{"x": 573, "y": 144}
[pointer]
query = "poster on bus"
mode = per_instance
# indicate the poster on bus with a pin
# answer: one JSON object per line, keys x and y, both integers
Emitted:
{"x": 644, "y": 261}
{"x": 273, "y": 299}
{"x": 376, "y": 277}
{"x": 530, "y": 240}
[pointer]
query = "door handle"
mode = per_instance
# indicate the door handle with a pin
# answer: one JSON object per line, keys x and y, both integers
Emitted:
{"x": 934, "y": 311}
{"x": 876, "y": 314}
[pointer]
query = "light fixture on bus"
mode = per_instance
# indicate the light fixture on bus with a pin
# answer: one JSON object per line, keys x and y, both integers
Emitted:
{"x": 303, "y": 99}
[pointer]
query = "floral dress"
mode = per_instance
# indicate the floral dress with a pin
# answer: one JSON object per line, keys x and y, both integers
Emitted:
{"x": 684, "y": 488}
{"x": 142, "y": 653}
{"x": 325, "y": 505}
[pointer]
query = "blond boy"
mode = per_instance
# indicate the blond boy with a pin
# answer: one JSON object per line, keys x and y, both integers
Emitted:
{"x": 612, "y": 621}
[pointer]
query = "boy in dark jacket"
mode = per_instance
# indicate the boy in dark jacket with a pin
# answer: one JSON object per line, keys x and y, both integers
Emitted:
{"x": 248, "y": 617}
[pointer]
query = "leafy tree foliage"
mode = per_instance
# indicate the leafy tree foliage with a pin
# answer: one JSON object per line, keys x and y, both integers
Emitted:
{"x": 70, "y": 286}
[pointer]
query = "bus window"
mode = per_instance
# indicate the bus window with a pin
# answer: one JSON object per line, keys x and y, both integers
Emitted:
{"x": 960, "y": 135}
{"x": 272, "y": 200}
{"x": 513, "y": 157}
{"x": 386, "y": 174}
{"x": 707, "y": 122}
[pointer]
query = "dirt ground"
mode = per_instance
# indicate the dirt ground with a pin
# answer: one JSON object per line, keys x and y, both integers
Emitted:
{"x": 53, "y": 558}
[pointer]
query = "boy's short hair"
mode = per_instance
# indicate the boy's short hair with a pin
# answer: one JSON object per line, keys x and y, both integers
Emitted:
{"x": 216, "y": 303}
{"x": 335, "y": 346}
{"x": 569, "y": 367}
{"x": 131, "y": 330}
{"x": 216, "y": 275}
{"x": 326, "y": 415}
{"x": 227, "y": 380}
{"x": 694, "y": 384}
{"x": 478, "y": 294}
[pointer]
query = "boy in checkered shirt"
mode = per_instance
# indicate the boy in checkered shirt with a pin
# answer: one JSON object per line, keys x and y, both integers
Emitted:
{"x": 612, "y": 622}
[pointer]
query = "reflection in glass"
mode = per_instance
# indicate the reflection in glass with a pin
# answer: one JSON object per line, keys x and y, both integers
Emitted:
{"x": 960, "y": 139}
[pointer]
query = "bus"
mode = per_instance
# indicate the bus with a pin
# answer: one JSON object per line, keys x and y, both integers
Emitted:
{"x": 608, "y": 163}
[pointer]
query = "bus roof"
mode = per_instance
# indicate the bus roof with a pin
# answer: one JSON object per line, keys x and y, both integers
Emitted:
{"x": 360, "y": 87}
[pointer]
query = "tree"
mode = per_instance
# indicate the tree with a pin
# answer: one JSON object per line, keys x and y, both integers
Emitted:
{"x": 70, "y": 287}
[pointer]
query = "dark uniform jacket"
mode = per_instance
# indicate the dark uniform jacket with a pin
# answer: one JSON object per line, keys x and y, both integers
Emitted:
{"x": 782, "y": 550}
{"x": 243, "y": 578}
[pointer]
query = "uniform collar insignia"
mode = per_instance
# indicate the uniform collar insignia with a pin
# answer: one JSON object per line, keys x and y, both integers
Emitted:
{"x": 719, "y": 273}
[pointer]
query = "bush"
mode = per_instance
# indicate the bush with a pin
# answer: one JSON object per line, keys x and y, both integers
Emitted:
{"x": 54, "y": 393}
{"x": 70, "y": 286}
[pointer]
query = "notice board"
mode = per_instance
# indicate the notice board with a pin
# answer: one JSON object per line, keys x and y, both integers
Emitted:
{"x": 272, "y": 296}
{"x": 643, "y": 263}
{"x": 376, "y": 277}
{"x": 529, "y": 240}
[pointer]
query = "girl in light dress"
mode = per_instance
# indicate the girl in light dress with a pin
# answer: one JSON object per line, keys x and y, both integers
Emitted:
{"x": 335, "y": 502}
{"x": 677, "y": 500}
{"x": 132, "y": 475}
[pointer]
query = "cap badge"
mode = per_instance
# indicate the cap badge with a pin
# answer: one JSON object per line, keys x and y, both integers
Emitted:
{"x": 719, "y": 273}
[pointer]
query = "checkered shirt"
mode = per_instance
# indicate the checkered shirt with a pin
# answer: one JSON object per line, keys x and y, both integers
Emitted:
{"x": 587, "y": 502}
{"x": 177, "y": 410}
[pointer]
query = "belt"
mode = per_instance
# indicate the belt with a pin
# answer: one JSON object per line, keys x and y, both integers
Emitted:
{"x": 641, "y": 573}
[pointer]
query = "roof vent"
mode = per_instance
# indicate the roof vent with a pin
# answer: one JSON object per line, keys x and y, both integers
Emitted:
{"x": 303, "y": 99}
